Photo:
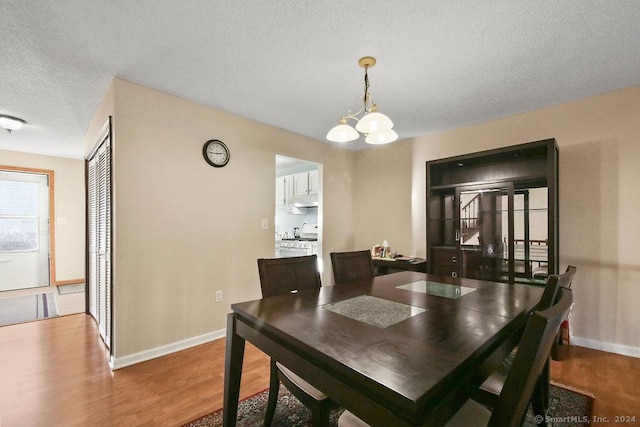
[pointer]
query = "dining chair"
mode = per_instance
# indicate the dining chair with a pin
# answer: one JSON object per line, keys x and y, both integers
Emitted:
{"x": 279, "y": 276}
{"x": 351, "y": 266}
{"x": 490, "y": 389}
{"x": 531, "y": 357}
{"x": 555, "y": 350}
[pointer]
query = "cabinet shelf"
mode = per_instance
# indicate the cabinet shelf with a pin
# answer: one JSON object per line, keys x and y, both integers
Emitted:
{"x": 530, "y": 210}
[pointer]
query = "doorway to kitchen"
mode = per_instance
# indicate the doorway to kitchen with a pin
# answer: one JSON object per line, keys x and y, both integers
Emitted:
{"x": 298, "y": 216}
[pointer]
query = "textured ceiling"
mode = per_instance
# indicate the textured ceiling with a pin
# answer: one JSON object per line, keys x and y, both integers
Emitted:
{"x": 293, "y": 64}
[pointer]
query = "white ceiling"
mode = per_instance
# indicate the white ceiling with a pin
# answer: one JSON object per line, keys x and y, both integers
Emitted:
{"x": 293, "y": 63}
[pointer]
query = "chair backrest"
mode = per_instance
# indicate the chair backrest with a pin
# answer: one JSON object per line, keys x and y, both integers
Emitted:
{"x": 549, "y": 294}
{"x": 283, "y": 275}
{"x": 531, "y": 356}
{"x": 554, "y": 283}
{"x": 567, "y": 279}
{"x": 351, "y": 266}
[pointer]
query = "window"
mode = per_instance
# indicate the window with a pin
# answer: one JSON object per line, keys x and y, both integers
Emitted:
{"x": 18, "y": 216}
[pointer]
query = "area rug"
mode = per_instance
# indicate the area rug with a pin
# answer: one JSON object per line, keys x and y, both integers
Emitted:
{"x": 568, "y": 408}
{"x": 27, "y": 308}
{"x": 74, "y": 288}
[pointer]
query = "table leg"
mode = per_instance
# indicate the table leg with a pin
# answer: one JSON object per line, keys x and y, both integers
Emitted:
{"x": 234, "y": 355}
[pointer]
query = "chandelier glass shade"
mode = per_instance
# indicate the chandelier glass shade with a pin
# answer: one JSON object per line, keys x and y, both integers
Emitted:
{"x": 343, "y": 132}
{"x": 381, "y": 137}
{"x": 376, "y": 126}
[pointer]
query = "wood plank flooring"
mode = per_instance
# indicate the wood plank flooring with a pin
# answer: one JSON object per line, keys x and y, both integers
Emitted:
{"x": 55, "y": 373}
{"x": 613, "y": 379}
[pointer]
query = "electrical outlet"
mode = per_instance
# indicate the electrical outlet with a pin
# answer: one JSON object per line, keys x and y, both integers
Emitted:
{"x": 218, "y": 296}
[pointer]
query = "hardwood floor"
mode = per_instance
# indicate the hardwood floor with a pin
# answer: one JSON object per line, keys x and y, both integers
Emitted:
{"x": 55, "y": 373}
{"x": 613, "y": 379}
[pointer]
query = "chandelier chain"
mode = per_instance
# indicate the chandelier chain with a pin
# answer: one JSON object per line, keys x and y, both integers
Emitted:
{"x": 366, "y": 90}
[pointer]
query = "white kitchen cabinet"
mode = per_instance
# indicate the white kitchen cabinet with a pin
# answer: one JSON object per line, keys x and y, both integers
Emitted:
{"x": 300, "y": 184}
{"x": 313, "y": 182}
{"x": 305, "y": 183}
{"x": 281, "y": 197}
{"x": 284, "y": 190}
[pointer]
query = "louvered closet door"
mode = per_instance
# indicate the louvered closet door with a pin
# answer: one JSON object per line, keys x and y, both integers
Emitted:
{"x": 92, "y": 212}
{"x": 99, "y": 237}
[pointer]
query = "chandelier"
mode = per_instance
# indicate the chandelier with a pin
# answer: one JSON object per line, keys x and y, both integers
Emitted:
{"x": 376, "y": 127}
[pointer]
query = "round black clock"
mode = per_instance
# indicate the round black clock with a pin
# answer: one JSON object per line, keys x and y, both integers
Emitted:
{"x": 216, "y": 153}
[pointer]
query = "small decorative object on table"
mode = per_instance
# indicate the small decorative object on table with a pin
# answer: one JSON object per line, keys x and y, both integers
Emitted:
{"x": 376, "y": 250}
{"x": 385, "y": 250}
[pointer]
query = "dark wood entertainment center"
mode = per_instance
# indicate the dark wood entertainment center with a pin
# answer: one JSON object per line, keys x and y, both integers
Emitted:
{"x": 493, "y": 215}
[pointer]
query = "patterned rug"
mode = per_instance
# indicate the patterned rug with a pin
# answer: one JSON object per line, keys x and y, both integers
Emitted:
{"x": 568, "y": 408}
{"x": 27, "y": 308}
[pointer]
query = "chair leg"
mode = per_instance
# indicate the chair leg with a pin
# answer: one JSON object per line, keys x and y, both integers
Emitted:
{"x": 274, "y": 387}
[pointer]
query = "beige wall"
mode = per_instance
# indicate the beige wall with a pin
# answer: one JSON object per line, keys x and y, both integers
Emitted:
{"x": 599, "y": 143}
{"x": 383, "y": 197}
{"x": 183, "y": 229}
{"x": 69, "y": 208}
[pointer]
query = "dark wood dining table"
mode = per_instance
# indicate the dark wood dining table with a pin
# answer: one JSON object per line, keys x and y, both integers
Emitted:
{"x": 417, "y": 369}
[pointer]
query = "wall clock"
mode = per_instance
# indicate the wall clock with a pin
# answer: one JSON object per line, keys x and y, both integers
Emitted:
{"x": 216, "y": 153}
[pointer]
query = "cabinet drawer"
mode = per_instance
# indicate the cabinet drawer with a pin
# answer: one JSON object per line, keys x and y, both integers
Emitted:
{"x": 445, "y": 262}
{"x": 444, "y": 256}
{"x": 450, "y": 270}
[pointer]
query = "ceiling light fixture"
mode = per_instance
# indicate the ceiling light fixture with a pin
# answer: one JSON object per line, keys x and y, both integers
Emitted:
{"x": 11, "y": 123}
{"x": 376, "y": 126}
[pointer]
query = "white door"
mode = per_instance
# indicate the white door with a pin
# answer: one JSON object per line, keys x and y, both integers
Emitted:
{"x": 24, "y": 230}
{"x": 99, "y": 238}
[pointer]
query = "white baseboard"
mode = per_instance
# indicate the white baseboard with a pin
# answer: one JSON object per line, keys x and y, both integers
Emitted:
{"x": 143, "y": 356}
{"x": 609, "y": 347}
